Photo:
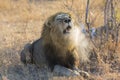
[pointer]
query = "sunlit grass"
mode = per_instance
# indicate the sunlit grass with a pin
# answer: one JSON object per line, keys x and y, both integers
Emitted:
{"x": 21, "y": 22}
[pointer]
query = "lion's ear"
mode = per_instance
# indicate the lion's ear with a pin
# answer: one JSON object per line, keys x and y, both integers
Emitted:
{"x": 48, "y": 24}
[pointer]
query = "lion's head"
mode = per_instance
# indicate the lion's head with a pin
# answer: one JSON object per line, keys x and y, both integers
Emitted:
{"x": 60, "y": 27}
{"x": 62, "y": 22}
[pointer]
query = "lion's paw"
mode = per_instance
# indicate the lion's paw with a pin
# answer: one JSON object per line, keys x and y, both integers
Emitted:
{"x": 63, "y": 71}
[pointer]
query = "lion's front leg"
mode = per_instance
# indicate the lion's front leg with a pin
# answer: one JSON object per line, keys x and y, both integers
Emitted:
{"x": 74, "y": 61}
{"x": 63, "y": 71}
{"x": 82, "y": 73}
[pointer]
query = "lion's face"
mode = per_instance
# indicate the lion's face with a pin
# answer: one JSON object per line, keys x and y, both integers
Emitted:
{"x": 63, "y": 23}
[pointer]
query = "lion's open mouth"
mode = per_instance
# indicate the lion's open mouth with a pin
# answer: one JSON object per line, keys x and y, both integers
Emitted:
{"x": 67, "y": 30}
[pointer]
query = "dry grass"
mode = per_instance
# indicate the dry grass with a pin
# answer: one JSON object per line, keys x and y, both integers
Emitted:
{"x": 21, "y": 22}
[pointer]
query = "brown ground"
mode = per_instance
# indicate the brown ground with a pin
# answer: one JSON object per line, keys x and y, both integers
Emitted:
{"x": 21, "y": 22}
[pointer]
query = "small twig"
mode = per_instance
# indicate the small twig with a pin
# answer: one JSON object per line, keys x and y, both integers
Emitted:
{"x": 117, "y": 33}
{"x": 86, "y": 15}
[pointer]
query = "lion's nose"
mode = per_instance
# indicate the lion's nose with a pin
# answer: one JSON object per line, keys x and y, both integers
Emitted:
{"x": 67, "y": 20}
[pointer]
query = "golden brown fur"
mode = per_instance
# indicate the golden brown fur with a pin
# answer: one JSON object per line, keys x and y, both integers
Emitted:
{"x": 61, "y": 43}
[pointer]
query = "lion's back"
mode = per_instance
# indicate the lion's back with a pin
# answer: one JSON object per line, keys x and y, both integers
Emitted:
{"x": 34, "y": 54}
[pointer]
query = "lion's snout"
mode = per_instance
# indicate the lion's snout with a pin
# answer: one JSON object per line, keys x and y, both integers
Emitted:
{"x": 67, "y": 20}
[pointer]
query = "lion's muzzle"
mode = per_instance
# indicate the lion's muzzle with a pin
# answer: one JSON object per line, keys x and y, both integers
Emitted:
{"x": 67, "y": 20}
{"x": 69, "y": 27}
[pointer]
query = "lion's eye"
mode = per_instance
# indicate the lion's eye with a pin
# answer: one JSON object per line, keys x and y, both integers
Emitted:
{"x": 60, "y": 20}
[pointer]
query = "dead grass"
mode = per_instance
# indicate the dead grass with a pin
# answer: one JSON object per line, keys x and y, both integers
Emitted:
{"x": 21, "y": 22}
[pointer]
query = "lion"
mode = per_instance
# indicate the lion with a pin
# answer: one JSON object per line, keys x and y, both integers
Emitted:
{"x": 61, "y": 43}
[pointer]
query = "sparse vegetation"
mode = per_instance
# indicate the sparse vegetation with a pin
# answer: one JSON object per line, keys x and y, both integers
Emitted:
{"x": 21, "y": 22}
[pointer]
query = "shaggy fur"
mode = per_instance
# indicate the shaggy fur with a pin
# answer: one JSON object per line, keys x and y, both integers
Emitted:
{"x": 61, "y": 43}
{"x": 64, "y": 49}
